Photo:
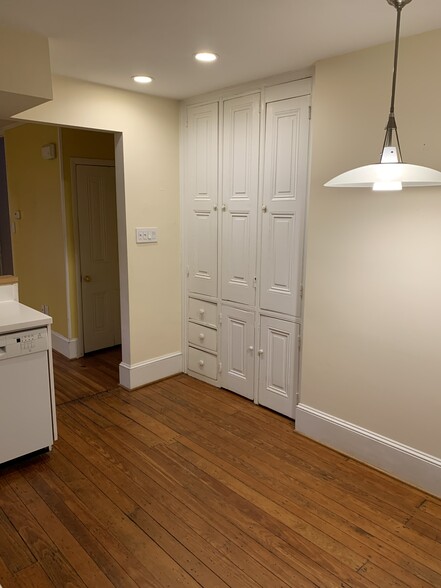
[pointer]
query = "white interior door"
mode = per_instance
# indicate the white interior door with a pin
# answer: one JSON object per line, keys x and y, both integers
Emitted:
{"x": 278, "y": 365}
{"x": 202, "y": 192}
{"x": 284, "y": 197}
{"x": 238, "y": 351}
{"x": 98, "y": 243}
{"x": 239, "y": 198}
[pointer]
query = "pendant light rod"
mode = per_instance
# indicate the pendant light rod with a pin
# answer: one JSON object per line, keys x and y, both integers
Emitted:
{"x": 399, "y": 7}
{"x": 391, "y": 126}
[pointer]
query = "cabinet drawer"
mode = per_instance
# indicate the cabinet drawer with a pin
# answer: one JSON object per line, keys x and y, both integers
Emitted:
{"x": 202, "y": 311}
{"x": 202, "y": 363}
{"x": 202, "y": 336}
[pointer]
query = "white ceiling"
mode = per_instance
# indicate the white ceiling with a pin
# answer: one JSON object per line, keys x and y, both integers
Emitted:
{"x": 108, "y": 41}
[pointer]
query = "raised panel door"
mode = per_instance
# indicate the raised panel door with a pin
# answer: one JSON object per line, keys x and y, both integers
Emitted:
{"x": 278, "y": 355}
{"x": 237, "y": 346}
{"x": 284, "y": 198}
{"x": 202, "y": 194}
{"x": 239, "y": 198}
{"x": 98, "y": 245}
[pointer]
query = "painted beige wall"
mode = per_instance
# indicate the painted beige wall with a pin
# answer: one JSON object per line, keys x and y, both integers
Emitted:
{"x": 25, "y": 74}
{"x": 83, "y": 144}
{"x": 372, "y": 335}
{"x": 38, "y": 242}
{"x": 147, "y": 168}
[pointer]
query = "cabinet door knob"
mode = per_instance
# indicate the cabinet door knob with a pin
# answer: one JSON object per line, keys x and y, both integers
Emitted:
{"x": 224, "y": 207}
{"x": 250, "y": 348}
{"x": 260, "y": 352}
{"x": 201, "y": 362}
{"x": 215, "y": 207}
{"x": 87, "y": 279}
{"x": 201, "y": 336}
{"x": 264, "y": 208}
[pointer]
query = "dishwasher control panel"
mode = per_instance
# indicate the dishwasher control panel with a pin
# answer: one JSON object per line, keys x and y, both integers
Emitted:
{"x": 23, "y": 342}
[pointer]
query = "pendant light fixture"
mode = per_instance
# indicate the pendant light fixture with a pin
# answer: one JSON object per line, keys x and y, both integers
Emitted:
{"x": 391, "y": 173}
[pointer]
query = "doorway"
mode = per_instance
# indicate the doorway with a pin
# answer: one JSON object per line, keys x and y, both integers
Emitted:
{"x": 6, "y": 265}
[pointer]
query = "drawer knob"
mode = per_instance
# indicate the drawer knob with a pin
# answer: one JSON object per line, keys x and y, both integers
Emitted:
{"x": 201, "y": 336}
{"x": 201, "y": 362}
{"x": 201, "y": 311}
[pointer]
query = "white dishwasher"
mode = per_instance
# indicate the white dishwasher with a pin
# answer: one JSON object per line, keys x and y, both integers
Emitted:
{"x": 26, "y": 407}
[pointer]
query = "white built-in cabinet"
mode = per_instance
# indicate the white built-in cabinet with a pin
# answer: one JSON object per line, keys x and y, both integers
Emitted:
{"x": 246, "y": 171}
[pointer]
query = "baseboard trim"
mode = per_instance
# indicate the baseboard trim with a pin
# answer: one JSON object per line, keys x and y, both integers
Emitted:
{"x": 145, "y": 372}
{"x": 67, "y": 347}
{"x": 406, "y": 463}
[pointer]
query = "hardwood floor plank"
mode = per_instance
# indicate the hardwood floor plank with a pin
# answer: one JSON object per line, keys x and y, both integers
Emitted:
{"x": 12, "y": 547}
{"x": 165, "y": 569}
{"x": 380, "y": 501}
{"x": 182, "y": 484}
{"x": 141, "y": 480}
{"x": 422, "y": 571}
{"x": 400, "y": 564}
{"x": 69, "y": 547}
{"x": 40, "y": 544}
{"x": 60, "y": 499}
{"x": 7, "y": 578}
{"x": 306, "y": 499}
{"x": 82, "y": 479}
{"x": 32, "y": 577}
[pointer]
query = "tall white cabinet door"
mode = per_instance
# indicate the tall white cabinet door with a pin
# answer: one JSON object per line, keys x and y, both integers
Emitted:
{"x": 202, "y": 193}
{"x": 278, "y": 365}
{"x": 284, "y": 197}
{"x": 239, "y": 198}
{"x": 238, "y": 351}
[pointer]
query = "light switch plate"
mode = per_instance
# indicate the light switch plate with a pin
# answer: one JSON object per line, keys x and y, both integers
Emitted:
{"x": 146, "y": 234}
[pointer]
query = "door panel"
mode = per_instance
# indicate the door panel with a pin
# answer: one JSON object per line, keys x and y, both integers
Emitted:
{"x": 238, "y": 351}
{"x": 239, "y": 198}
{"x": 278, "y": 365}
{"x": 98, "y": 241}
{"x": 202, "y": 189}
{"x": 284, "y": 197}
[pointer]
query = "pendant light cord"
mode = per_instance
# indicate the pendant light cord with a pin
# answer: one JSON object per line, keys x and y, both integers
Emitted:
{"x": 391, "y": 126}
{"x": 397, "y": 42}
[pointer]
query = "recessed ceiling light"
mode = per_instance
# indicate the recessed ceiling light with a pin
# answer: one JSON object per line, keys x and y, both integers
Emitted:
{"x": 206, "y": 57}
{"x": 142, "y": 79}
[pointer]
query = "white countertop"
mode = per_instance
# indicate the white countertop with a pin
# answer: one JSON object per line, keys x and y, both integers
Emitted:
{"x": 15, "y": 316}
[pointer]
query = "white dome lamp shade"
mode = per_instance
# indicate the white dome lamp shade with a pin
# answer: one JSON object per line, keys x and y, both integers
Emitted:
{"x": 391, "y": 173}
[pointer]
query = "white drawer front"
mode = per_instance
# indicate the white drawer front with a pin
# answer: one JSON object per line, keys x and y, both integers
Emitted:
{"x": 202, "y": 363}
{"x": 202, "y": 311}
{"x": 202, "y": 336}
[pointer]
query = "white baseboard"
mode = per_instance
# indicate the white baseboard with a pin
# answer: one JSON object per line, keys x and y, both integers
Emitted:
{"x": 404, "y": 462}
{"x": 146, "y": 372}
{"x": 67, "y": 347}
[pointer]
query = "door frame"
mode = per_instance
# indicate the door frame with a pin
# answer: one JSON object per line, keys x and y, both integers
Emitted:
{"x": 74, "y": 162}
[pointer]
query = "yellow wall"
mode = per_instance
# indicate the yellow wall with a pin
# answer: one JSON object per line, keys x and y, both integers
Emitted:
{"x": 84, "y": 144}
{"x": 38, "y": 243}
{"x": 372, "y": 335}
{"x": 147, "y": 174}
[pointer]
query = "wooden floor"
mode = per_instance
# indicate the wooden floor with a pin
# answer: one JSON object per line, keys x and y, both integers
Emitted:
{"x": 180, "y": 484}
{"x": 93, "y": 373}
